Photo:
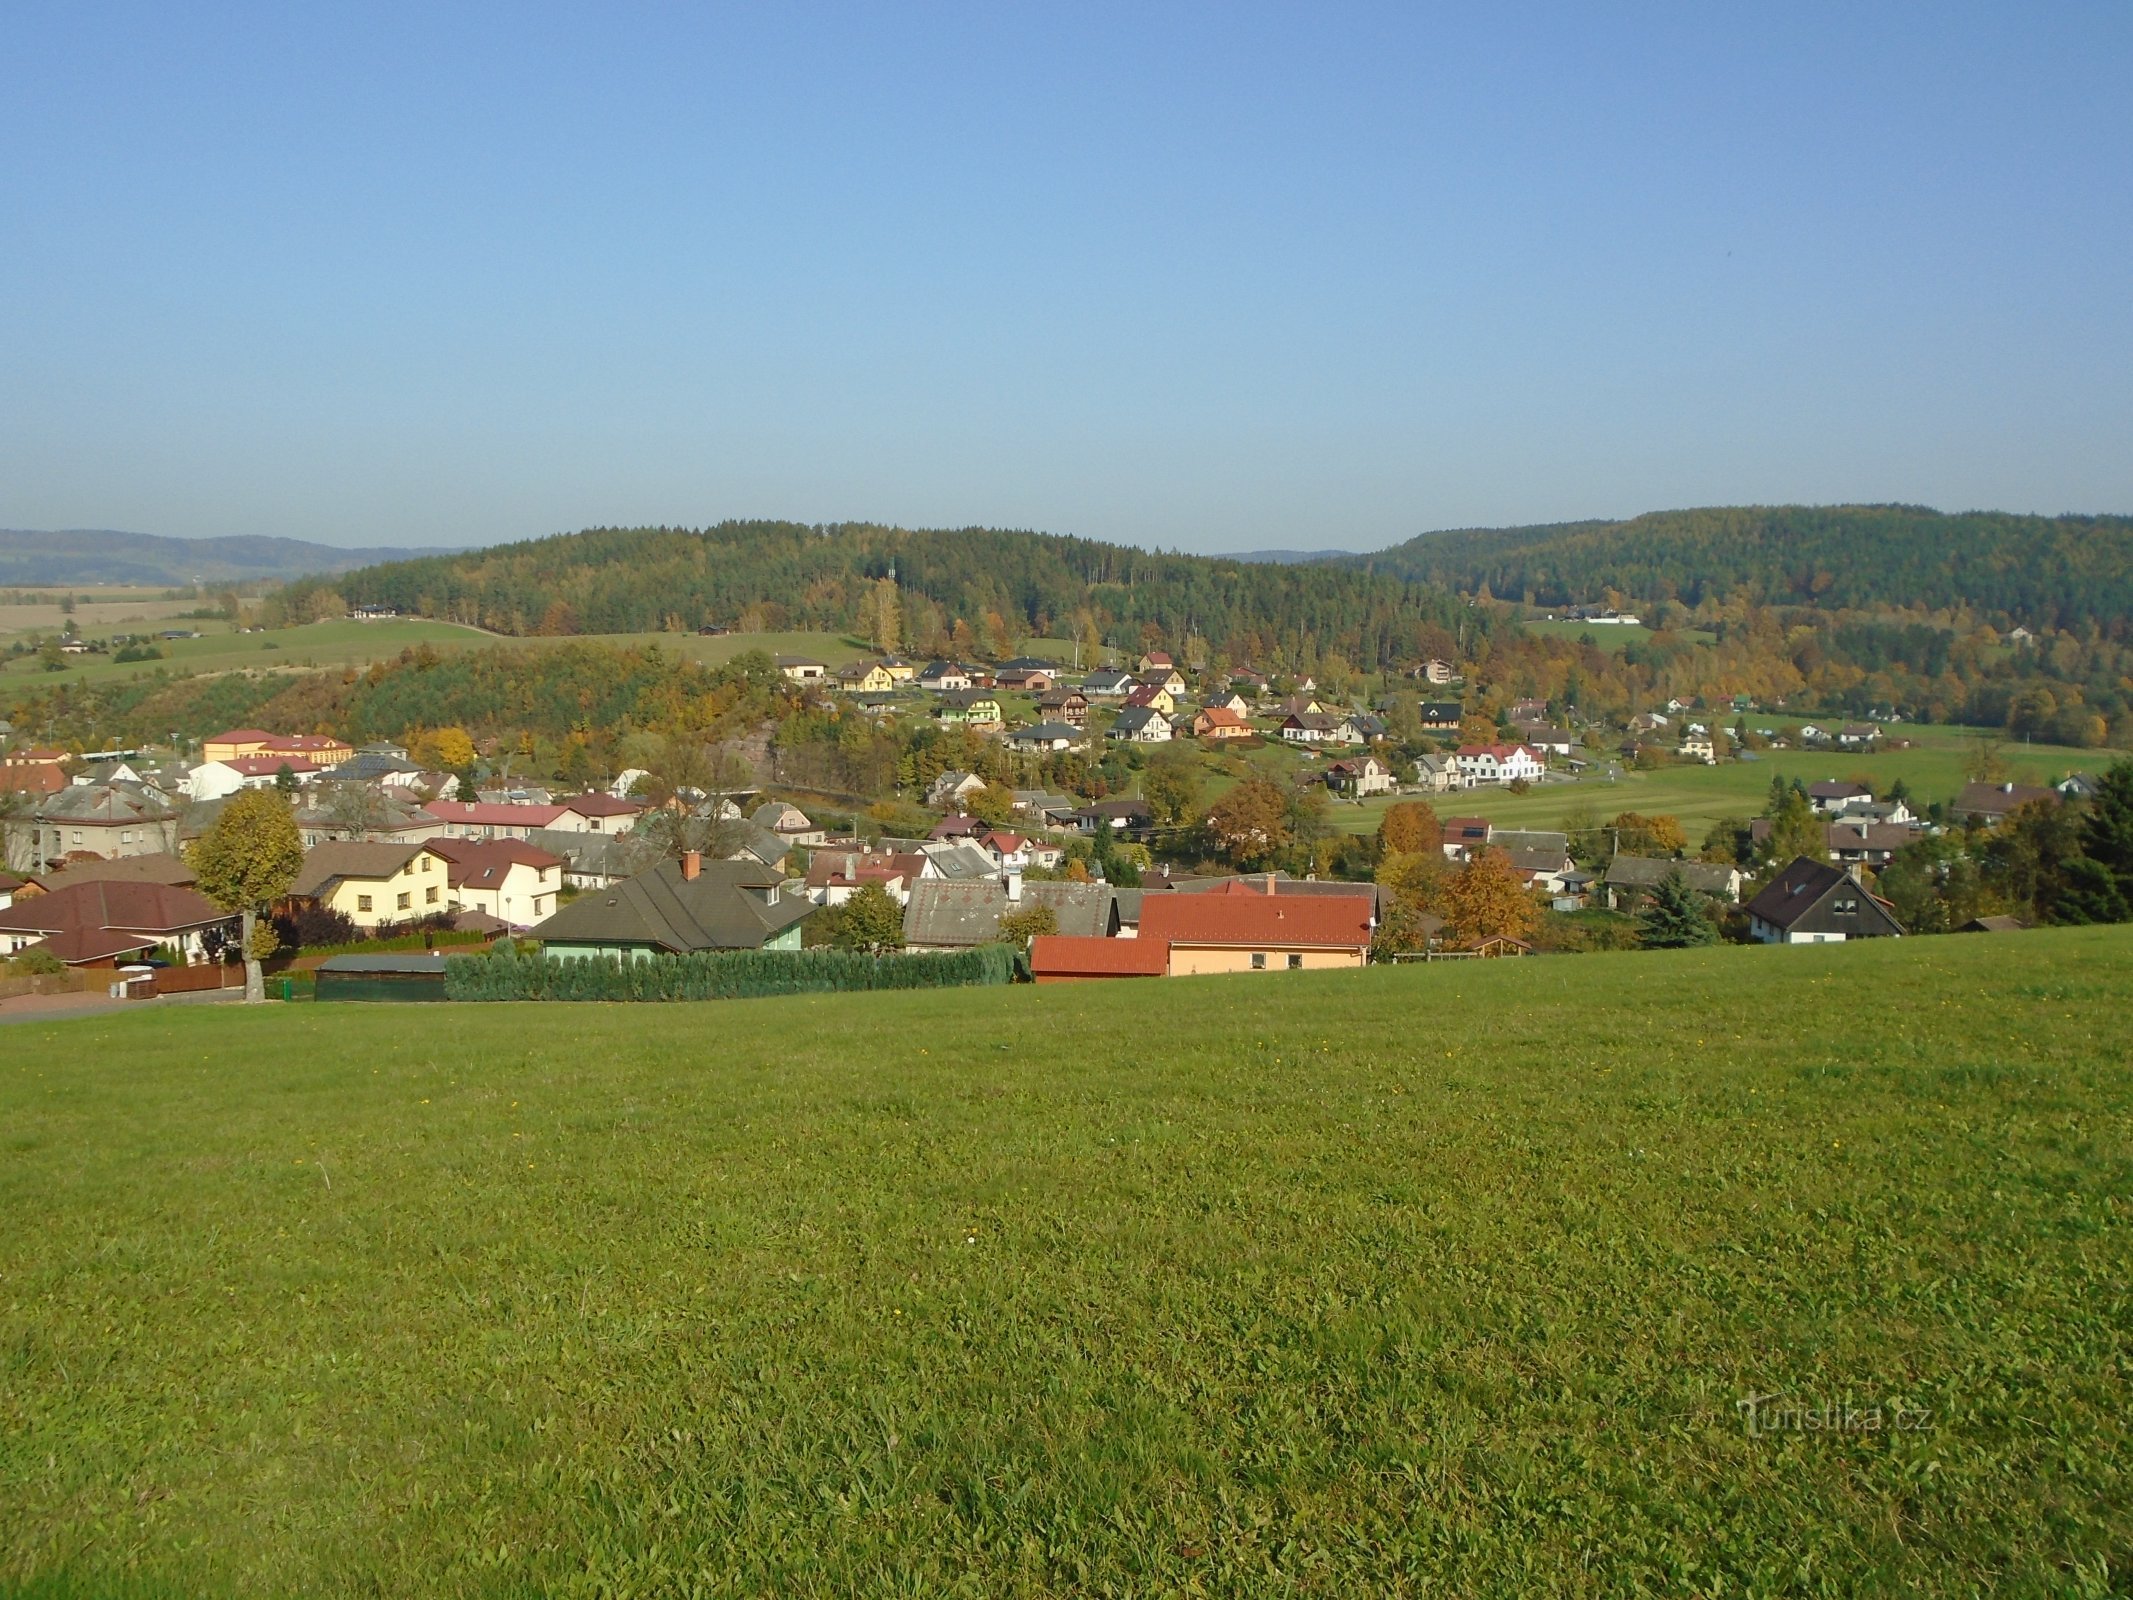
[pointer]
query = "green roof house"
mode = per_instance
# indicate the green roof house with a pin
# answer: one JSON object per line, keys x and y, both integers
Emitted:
{"x": 678, "y": 907}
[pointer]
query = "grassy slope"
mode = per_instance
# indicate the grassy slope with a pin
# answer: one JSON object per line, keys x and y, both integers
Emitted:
{"x": 342, "y": 643}
{"x": 996, "y": 1293}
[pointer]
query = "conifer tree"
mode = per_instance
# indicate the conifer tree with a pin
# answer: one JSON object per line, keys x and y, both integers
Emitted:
{"x": 1672, "y": 919}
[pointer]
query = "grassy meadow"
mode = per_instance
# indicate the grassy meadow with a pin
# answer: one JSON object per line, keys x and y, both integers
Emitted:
{"x": 1403, "y": 1281}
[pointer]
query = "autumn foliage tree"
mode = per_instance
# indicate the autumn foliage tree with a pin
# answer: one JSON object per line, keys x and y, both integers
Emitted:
{"x": 1411, "y": 828}
{"x": 1251, "y": 824}
{"x": 1485, "y": 899}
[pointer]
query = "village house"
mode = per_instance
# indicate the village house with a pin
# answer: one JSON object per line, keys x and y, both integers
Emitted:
{"x": 973, "y": 708}
{"x": 1307, "y": 727}
{"x": 1811, "y": 902}
{"x": 944, "y": 677}
{"x": 1359, "y": 777}
{"x": 375, "y": 884}
{"x": 1107, "y": 683}
{"x": 953, "y": 788}
{"x": 1833, "y": 796}
{"x": 1069, "y": 706}
{"x": 1856, "y": 841}
{"x": 489, "y": 819}
{"x": 1155, "y": 661}
{"x": 678, "y": 907}
{"x": 1044, "y": 737}
{"x": 946, "y": 914}
{"x": 865, "y": 677}
{"x": 834, "y": 876}
{"x": 1437, "y": 774}
{"x": 1989, "y": 804}
{"x": 211, "y": 780}
{"x": 508, "y": 879}
{"x": 1464, "y": 835}
{"x": 1480, "y": 764}
{"x": 1141, "y": 725}
{"x": 1629, "y": 880}
{"x": 1441, "y": 716}
{"x": 1129, "y": 818}
{"x": 1219, "y": 722}
{"x": 1027, "y": 676}
{"x": 103, "y": 921}
{"x": 1232, "y": 702}
{"x": 598, "y": 860}
{"x": 803, "y": 669}
{"x": 1699, "y": 746}
{"x": 792, "y": 825}
{"x": 1152, "y": 696}
{"x": 110, "y": 820}
{"x": 1548, "y": 740}
{"x": 1858, "y": 736}
{"x": 1238, "y": 928}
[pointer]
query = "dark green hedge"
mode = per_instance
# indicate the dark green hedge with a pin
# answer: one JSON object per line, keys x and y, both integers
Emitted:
{"x": 716, "y": 975}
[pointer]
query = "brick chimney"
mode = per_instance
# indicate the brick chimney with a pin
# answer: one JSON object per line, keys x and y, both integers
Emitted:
{"x": 692, "y": 862}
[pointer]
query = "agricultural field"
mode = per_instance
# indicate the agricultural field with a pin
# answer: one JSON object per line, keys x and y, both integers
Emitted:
{"x": 999, "y": 1293}
{"x": 1700, "y": 795}
{"x": 340, "y": 642}
{"x": 1609, "y": 636}
{"x": 129, "y": 609}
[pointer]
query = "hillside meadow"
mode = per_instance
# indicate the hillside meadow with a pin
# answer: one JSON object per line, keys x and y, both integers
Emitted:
{"x": 1445, "y": 1278}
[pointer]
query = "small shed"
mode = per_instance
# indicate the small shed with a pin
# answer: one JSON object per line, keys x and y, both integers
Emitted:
{"x": 417, "y": 975}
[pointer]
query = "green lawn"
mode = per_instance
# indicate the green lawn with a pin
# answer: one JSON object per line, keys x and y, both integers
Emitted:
{"x": 335, "y": 643}
{"x": 1700, "y": 795}
{"x": 1007, "y": 1293}
{"x": 343, "y": 643}
{"x": 1609, "y": 636}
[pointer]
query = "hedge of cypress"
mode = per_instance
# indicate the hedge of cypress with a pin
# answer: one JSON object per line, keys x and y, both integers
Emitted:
{"x": 716, "y": 974}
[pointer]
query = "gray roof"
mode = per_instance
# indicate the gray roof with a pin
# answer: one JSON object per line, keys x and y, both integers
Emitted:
{"x": 1515, "y": 839}
{"x": 729, "y": 905}
{"x": 368, "y": 766}
{"x": 1048, "y": 731}
{"x": 119, "y": 804}
{"x": 1641, "y": 872}
{"x": 943, "y": 912}
{"x": 1135, "y": 718}
{"x": 413, "y": 963}
{"x": 958, "y": 860}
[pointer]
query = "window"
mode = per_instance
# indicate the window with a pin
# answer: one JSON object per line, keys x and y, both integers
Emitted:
{"x": 362, "y": 902}
{"x": 406, "y": 903}
{"x": 429, "y": 895}
{"x": 1259, "y": 961}
{"x": 1296, "y": 963}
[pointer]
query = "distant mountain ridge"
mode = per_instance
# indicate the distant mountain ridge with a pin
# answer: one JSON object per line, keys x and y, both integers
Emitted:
{"x": 32, "y": 557}
{"x": 2066, "y": 571}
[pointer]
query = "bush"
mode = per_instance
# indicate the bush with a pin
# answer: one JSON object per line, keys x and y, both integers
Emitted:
{"x": 36, "y": 964}
{"x": 310, "y": 925}
{"x": 717, "y": 975}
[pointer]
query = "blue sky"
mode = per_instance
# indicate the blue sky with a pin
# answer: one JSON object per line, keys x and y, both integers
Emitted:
{"x": 1217, "y": 277}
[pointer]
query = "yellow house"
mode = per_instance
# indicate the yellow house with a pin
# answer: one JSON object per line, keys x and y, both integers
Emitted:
{"x": 1155, "y": 697}
{"x": 1251, "y": 929}
{"x": 866, "y": 677}
{"x": 232, "y": 743}
{"x": 898, "y": 669}
{"x": 375, "y": 885}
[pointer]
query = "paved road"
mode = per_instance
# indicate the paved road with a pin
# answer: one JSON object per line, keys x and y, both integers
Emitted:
{"x": 65, "y": 1007}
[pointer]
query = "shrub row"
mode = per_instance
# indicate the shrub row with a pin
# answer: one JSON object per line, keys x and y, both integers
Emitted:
{"x": 716, "y": 975}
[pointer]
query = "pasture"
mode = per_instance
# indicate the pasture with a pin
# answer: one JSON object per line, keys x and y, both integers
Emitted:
{"x": 1012, "y": 1292}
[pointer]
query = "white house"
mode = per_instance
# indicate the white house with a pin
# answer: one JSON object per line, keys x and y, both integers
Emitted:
{"x": 1479, "y": 764}
{"x": 509, "y": 879}
{"x": 1141, "y": 725}
{"x": 211, "y": 780}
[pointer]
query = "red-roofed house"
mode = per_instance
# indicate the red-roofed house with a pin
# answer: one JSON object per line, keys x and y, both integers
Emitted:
{"x": 1259, "y": 932}
{"x": 833, "y": 876}
{"x": 322, "y": 748}
{"x": 99, "y": 922}
{"x": 508, "y": 879}
{"x": 597, "y": 813}
{"x": 1478, "y": 764}
{"x": 1464, "y": 835}
{"x": 211, "y": 780}
{"x": 485, "y": 819}
{"x": 1062, "y": 958}
{"x": 1219, "y": 722}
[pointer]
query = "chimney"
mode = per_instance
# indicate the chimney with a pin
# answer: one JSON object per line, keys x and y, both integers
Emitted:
{"x": 692, "y": 862}
{"x": 1270, "y": 883}
{"x": 1014, "y": 884}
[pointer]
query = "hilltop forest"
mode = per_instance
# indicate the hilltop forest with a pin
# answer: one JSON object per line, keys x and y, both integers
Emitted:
{"x": 970, "y": 590}
{"x": 2069, "y": 573}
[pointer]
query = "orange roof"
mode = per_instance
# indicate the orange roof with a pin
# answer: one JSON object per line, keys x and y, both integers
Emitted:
{"x": 1057, "y": 955}
{"x": 1273, "y": 920}
{"x": 239, "y": 736}
{"x": 1222, "y": 717}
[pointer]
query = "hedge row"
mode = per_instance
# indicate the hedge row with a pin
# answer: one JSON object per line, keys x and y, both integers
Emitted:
{"x": 716, "y": 975}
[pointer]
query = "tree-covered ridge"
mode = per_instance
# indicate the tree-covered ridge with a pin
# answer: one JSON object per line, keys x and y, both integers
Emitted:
{"x": 999, "y": 585}
{"x": 2045, "y": 572}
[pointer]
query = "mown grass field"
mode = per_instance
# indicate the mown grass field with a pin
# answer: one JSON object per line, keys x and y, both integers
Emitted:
{"x": 340, "y": 643}
{"x": 1445, "y": 1279}
{"x": 1700, "y": 795}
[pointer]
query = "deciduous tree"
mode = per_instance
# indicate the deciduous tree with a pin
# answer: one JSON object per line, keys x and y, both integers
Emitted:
{"x": 245, "y": 861}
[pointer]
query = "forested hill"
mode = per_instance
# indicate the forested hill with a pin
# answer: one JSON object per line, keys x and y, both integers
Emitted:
{"x": 2042, "y": 571}
{"x": 99, "y": 555}
{"x": 970, "y": 588}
